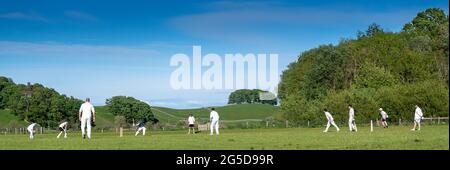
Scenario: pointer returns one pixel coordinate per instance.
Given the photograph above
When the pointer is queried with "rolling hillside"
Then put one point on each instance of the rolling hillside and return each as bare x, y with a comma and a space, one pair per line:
230, 113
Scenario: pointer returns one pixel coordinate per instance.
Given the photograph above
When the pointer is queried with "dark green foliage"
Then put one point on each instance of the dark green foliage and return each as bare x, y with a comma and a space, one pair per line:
130, 108
37, 103
246, 96
380, 69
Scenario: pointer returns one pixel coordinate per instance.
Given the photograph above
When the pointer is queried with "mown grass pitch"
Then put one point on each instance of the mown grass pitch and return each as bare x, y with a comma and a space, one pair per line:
396, 137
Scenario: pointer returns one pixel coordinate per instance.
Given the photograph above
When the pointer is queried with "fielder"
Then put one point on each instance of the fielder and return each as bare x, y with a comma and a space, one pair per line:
330, 121
351, 119
86, 115
141, 126
418, 116
214, 118
31, 130
191, 121
63, 128
384, 117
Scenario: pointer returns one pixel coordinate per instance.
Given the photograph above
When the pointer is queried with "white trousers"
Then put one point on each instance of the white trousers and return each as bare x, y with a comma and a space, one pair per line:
352, 125
65, 133
31, 133
86, 125
331, 123
215, 125
139, 130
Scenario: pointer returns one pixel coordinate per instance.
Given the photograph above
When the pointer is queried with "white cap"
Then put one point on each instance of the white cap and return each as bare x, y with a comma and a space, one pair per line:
380, 109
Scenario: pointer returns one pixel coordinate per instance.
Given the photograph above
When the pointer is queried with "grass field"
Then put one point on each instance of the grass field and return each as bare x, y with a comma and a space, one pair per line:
396, 138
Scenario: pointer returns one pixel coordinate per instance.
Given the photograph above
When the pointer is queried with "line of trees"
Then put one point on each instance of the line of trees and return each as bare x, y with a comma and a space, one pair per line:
378, 69
247, 96
36, 103
45, 106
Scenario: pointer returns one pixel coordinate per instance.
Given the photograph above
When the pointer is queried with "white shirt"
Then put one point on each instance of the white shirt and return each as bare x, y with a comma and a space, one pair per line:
384, 114
351, 114
191, 120
87, 109
214, 116
62, 125
418, 114
329, 117
31, 127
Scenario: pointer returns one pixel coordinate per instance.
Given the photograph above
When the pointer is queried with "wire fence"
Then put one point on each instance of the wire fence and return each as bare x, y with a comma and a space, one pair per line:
233, 124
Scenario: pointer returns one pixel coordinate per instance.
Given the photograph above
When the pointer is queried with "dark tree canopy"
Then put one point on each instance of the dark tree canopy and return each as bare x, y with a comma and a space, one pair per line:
130, 108
37, 103
246, 96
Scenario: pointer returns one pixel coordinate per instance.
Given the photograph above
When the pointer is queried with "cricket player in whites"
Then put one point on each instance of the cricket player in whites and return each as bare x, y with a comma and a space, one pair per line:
141, 126
86, 115
384, 117
418, 116
31, 130
214, 118
351, 119
63, 128
330, 121
191, 121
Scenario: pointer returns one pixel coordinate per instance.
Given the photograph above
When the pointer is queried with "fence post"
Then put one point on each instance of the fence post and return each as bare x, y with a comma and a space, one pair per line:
371, 126
439, 120
287, 123
308, 123
247, 124
42, 130
399, 121
102, 130
121, 131
267, 124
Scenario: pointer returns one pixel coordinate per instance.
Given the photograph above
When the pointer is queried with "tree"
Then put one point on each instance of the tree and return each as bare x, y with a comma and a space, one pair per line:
130, 108
379, 69
37, 103
249, 96
428, 22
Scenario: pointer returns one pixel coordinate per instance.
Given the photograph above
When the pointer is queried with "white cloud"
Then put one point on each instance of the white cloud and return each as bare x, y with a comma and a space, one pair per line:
80, 15
244, 23
71, 50
24, 16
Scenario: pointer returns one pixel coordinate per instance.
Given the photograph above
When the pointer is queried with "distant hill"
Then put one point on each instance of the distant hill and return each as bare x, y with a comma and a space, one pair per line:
229, 113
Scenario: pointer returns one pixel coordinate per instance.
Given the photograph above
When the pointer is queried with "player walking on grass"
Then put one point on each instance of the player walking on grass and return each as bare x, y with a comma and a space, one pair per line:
330, 121
384, 117
214, 118
191, 122
418, 116
31, 130
141, 126
63, 128
351, 119
86, 115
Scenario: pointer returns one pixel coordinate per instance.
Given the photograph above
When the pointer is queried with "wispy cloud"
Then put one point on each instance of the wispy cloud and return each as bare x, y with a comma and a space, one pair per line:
257, 22
71, 50
31, 16
80, 15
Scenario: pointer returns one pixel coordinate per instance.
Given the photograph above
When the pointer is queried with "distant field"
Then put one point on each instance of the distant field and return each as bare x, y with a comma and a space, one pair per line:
396, 137
227, 113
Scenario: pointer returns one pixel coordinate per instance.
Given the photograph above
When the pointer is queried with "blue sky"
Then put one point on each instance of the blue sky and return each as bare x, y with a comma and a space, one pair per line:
100, 49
